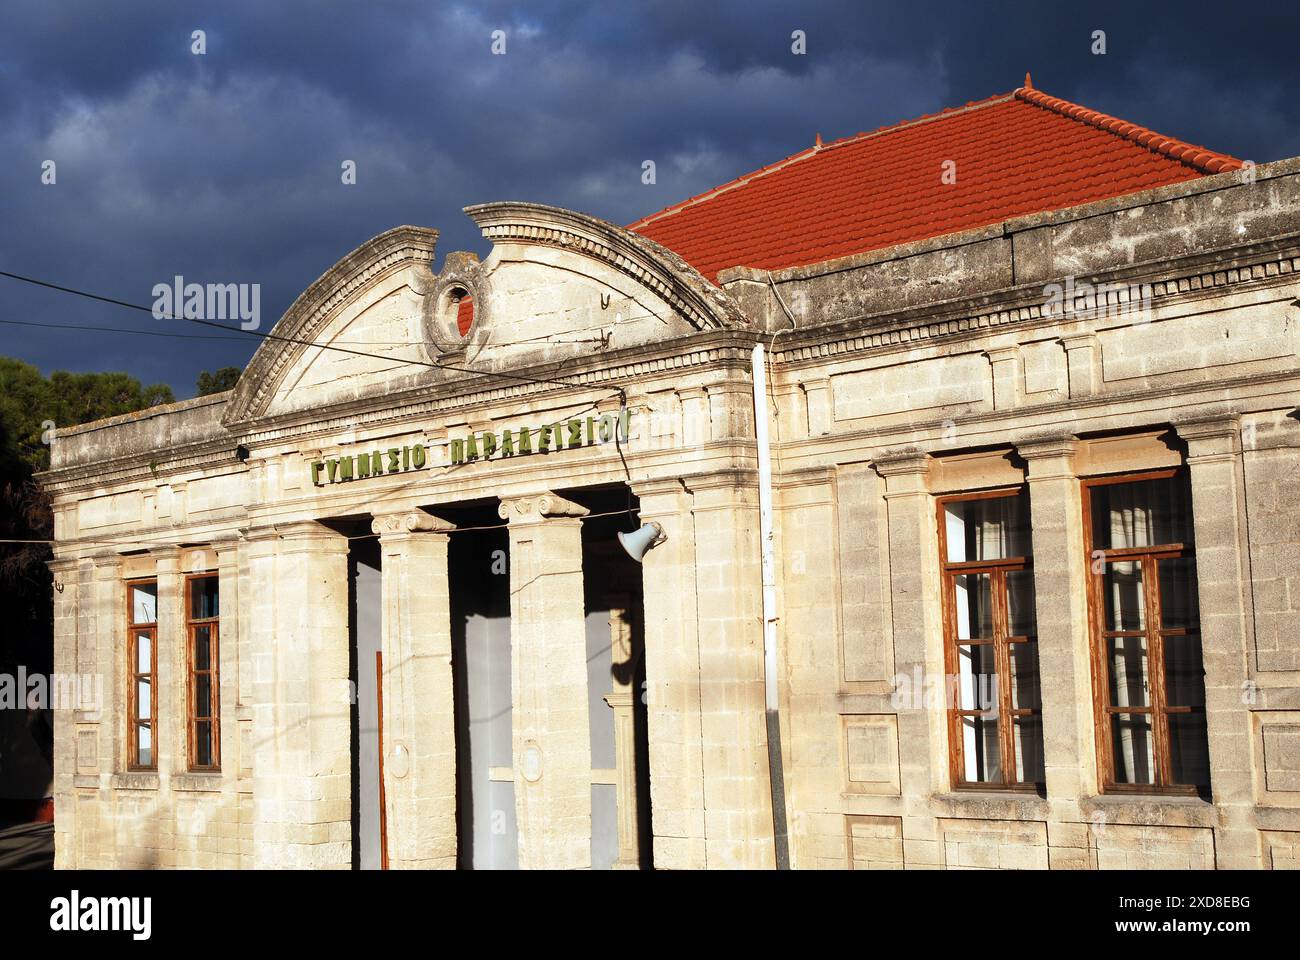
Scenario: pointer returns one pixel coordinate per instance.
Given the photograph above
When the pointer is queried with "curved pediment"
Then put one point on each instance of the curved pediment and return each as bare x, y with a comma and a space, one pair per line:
655, 267
401, 253
558, 286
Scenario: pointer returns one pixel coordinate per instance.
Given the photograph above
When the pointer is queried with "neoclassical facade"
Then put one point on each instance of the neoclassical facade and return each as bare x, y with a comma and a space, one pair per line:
975, 550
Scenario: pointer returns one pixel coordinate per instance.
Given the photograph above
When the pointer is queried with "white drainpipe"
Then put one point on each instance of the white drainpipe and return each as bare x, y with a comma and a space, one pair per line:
770, 692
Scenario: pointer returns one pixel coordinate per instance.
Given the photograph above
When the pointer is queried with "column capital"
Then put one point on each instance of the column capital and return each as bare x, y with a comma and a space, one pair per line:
536, 507
407, 523
905, 472
658, 487
296, 535
105, 559
167, 562
1079, 341
1210, 437
899, 463
1047, 446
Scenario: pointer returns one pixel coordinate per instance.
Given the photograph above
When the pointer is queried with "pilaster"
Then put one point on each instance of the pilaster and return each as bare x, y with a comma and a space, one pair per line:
552, 739
419, 722
1224, 589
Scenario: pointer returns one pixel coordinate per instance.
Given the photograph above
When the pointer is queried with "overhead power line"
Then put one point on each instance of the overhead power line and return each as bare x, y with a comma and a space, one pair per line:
62, 288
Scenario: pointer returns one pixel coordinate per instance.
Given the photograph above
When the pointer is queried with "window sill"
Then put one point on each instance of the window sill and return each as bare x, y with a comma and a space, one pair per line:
992, 804
1155, 810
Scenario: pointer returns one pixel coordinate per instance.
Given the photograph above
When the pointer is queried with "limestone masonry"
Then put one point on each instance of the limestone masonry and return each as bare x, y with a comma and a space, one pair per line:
1035, 514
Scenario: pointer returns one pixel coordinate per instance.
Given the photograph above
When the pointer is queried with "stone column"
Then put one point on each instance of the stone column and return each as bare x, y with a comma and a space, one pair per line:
621, 702
1223, 586
673, 679
552, 736
1061, 605
918, 647
298, 625
228, 665
419, 721
729, 609
101, 646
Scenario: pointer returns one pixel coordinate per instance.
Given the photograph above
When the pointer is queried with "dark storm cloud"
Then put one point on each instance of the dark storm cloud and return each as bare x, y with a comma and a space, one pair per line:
226, 167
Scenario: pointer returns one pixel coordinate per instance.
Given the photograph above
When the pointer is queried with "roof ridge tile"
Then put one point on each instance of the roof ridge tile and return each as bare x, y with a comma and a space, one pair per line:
1207, 161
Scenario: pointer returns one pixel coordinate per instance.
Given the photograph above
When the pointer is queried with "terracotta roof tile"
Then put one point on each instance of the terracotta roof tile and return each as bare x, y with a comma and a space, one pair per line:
1016, 154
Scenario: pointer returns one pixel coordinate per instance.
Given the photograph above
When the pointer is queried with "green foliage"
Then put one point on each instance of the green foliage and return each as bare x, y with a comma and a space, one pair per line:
29, 403
219, 382
30, 406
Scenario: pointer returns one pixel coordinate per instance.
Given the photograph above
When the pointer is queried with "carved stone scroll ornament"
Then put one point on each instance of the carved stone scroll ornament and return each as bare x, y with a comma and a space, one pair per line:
411, 521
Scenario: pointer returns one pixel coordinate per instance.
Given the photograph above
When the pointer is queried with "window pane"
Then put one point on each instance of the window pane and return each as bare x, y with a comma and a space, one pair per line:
1131, 746
1189, 751
1021, 621
993, 528
1025, 691
203, 744
143, 701
1028, 733
1178, 606
973, 597
202, 647
1141, 514
980, 750
1125, 596
144, 746
144, 603
203, 598
143, 653
1184, 674
978, 678
1127, 657
202, 695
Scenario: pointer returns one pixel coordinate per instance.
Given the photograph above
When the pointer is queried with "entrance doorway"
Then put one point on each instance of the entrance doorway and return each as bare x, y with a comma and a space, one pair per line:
365, 613
479, 582
621, 835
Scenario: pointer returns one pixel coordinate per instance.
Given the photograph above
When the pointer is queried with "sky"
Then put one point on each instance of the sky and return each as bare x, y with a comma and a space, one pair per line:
226, 166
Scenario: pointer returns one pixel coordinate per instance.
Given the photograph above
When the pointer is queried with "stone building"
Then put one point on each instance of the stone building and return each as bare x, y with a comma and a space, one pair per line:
971, 446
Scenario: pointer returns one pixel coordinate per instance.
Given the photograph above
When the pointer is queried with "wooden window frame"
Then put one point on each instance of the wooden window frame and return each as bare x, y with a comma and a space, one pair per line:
1154, 634
134, 676
1001, 641
191, 679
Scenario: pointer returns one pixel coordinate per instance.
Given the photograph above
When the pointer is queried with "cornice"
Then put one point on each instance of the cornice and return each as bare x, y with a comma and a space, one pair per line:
1023, 305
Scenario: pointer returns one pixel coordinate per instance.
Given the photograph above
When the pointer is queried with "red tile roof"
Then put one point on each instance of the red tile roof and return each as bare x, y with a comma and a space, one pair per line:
1018, 153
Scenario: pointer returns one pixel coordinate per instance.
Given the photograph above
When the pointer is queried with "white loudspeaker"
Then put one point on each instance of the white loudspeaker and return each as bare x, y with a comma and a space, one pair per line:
636, 544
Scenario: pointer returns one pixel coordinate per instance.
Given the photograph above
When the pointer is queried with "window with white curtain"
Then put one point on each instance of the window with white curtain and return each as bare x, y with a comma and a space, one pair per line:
142, 674
1147, 642
991, 640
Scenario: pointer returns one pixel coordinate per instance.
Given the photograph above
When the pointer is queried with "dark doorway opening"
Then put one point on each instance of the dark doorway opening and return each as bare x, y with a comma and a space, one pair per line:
622, 836
479, 582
